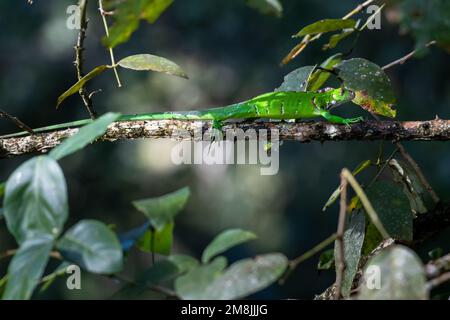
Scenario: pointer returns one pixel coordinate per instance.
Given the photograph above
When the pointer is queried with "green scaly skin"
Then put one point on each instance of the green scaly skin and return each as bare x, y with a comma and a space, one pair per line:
273, 105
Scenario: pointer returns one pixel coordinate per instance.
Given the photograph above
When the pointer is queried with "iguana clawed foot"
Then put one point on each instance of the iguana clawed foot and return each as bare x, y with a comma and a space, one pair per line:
349, 121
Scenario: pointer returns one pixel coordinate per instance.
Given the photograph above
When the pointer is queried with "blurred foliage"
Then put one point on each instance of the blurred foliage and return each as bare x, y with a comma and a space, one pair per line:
282, 210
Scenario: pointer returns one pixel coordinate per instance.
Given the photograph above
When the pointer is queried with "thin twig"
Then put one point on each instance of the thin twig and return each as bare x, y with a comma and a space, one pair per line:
79, 49
293, 264
111, 52
8, 253
12, 252
313, 251
418, 171
366, 203
436, 282
402, 60
16, 121
308, 38
340, 258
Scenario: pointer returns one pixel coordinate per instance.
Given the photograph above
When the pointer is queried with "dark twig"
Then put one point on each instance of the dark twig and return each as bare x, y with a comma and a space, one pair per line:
340, 258
16, 121
402, 60
79, 48
308, 38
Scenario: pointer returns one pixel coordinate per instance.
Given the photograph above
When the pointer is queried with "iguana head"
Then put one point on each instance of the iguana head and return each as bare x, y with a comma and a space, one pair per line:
331, 98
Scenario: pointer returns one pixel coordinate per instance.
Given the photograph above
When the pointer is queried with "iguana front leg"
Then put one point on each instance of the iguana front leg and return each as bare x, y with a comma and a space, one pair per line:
339, 120
333, 118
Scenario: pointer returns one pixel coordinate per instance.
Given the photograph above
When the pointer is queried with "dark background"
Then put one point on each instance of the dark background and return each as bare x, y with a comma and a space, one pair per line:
231, 53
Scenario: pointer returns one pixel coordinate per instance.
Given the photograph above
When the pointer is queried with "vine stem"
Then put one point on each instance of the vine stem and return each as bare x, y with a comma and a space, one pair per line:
340, 258
365, 202
111, 52
293, 264
79, 48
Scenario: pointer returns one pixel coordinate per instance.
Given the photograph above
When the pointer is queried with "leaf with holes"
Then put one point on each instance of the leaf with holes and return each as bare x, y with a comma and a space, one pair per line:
225, 241
93, 246
36, 199
372, 87
326, 25
148, 62
396, 273
80, 84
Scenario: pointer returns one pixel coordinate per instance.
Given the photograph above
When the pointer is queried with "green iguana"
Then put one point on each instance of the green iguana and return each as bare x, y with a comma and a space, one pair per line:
273, 105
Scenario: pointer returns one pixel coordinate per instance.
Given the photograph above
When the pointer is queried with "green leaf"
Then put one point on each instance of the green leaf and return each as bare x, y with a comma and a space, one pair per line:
371, 85
148, 62
319, 77
162, 210
193, 284
161, 271
184, 263
241, 279
26, 268
296, 80
127, 15
36, 199
271, 7
80, 84
93, 246
84, 136
157, 241
225, 241
326, 25
248, 276
362, 166
393, 209
336, 38
353, 242
436, 253
326, 260
394, 274
2, 189
372, 239
419, 198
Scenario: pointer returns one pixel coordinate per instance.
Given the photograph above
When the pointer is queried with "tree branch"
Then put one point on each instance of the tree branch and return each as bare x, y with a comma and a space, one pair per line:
436, 130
